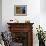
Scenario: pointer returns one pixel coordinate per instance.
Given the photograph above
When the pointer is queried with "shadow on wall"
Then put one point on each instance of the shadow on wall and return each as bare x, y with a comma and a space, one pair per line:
43, 6
0, 15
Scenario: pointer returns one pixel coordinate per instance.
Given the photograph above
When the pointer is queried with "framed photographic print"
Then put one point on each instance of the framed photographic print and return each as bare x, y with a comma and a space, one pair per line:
20, 10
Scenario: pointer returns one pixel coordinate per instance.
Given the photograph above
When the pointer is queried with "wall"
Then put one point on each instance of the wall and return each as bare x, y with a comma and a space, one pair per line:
33, 10
43, 6
0, 15
43, 14
34, 14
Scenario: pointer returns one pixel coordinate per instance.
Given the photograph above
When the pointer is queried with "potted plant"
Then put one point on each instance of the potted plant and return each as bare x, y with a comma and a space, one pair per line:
41, 36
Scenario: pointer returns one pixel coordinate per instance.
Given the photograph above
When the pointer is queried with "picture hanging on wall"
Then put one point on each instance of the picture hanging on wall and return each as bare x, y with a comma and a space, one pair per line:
20, 10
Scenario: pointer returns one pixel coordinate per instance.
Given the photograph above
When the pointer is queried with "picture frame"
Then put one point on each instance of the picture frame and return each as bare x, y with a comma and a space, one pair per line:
20, 10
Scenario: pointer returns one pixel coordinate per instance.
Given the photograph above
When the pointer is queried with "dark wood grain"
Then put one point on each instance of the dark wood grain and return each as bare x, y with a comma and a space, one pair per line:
23, 27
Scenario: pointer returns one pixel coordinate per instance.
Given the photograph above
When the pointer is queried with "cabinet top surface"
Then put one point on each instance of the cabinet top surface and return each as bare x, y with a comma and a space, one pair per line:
19, 23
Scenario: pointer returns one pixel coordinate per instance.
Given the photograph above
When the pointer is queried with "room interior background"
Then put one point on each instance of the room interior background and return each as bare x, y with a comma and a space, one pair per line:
35, 13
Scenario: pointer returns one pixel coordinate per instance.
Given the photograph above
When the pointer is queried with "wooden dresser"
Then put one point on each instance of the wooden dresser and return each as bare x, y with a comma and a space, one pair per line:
22, 33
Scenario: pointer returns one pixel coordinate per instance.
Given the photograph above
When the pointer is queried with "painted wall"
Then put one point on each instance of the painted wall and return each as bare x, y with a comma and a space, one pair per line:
43, 14
43, 6
0, 15
34, 14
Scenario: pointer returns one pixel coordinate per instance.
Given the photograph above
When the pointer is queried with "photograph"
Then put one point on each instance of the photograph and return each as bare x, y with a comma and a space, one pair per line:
22, 23
20, 10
